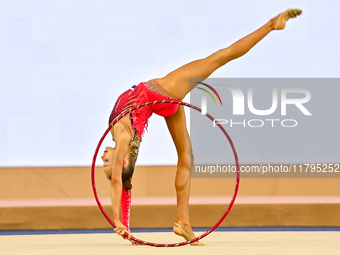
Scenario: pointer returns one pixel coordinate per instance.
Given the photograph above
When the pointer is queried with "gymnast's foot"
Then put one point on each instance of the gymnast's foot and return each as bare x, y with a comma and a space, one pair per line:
187, 234
280, 21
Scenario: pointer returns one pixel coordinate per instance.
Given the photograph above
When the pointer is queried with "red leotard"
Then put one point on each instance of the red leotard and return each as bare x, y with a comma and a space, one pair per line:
138, 95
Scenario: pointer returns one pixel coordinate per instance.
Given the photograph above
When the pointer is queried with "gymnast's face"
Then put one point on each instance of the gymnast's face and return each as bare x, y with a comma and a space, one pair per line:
108, 159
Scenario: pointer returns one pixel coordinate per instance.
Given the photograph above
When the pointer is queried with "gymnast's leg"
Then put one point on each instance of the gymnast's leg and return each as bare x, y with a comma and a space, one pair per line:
178, 130
178, 82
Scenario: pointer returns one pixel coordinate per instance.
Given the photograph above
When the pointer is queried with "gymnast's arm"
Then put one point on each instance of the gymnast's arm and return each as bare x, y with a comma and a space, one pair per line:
122, 138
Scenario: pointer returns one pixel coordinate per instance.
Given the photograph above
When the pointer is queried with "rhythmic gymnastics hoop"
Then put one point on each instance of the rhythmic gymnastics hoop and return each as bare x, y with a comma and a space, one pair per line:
127, 111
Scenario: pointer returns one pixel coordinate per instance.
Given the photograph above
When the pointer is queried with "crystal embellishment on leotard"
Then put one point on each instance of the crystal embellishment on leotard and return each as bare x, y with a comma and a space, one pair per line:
155, 87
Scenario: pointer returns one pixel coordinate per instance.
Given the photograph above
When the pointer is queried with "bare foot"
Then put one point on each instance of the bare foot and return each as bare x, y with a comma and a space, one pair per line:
280, 20
187, 234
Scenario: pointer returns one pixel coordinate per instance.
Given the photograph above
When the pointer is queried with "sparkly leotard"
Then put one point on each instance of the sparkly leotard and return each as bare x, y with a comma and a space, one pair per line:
138, 95
136, 123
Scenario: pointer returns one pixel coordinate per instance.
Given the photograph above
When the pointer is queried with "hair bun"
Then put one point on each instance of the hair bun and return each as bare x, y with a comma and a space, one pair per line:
127, 185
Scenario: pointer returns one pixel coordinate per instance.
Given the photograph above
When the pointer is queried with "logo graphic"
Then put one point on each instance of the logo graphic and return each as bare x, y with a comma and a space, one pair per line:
243, 105
204, 98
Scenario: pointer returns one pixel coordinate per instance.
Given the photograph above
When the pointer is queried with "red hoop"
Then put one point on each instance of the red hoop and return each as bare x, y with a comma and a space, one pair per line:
169, 102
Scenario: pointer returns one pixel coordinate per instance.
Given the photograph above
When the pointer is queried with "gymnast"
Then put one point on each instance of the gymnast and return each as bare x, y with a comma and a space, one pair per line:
127, 133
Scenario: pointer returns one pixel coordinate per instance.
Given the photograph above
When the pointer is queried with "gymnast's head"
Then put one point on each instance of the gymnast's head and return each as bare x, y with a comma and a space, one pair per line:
127, 169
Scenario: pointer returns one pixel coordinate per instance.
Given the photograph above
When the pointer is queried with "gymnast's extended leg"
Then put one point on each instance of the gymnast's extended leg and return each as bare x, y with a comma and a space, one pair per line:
178, 82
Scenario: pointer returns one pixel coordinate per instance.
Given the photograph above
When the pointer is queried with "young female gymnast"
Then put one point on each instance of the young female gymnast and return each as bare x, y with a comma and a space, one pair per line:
127, 133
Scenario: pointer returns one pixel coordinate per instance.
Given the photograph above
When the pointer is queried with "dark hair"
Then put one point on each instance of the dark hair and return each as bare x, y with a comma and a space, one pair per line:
127, 174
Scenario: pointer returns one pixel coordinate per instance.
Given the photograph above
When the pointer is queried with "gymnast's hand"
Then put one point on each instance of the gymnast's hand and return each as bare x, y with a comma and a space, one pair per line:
121, 230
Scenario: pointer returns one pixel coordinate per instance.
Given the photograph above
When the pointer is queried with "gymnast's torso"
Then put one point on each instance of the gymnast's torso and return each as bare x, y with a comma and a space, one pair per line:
137, 121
